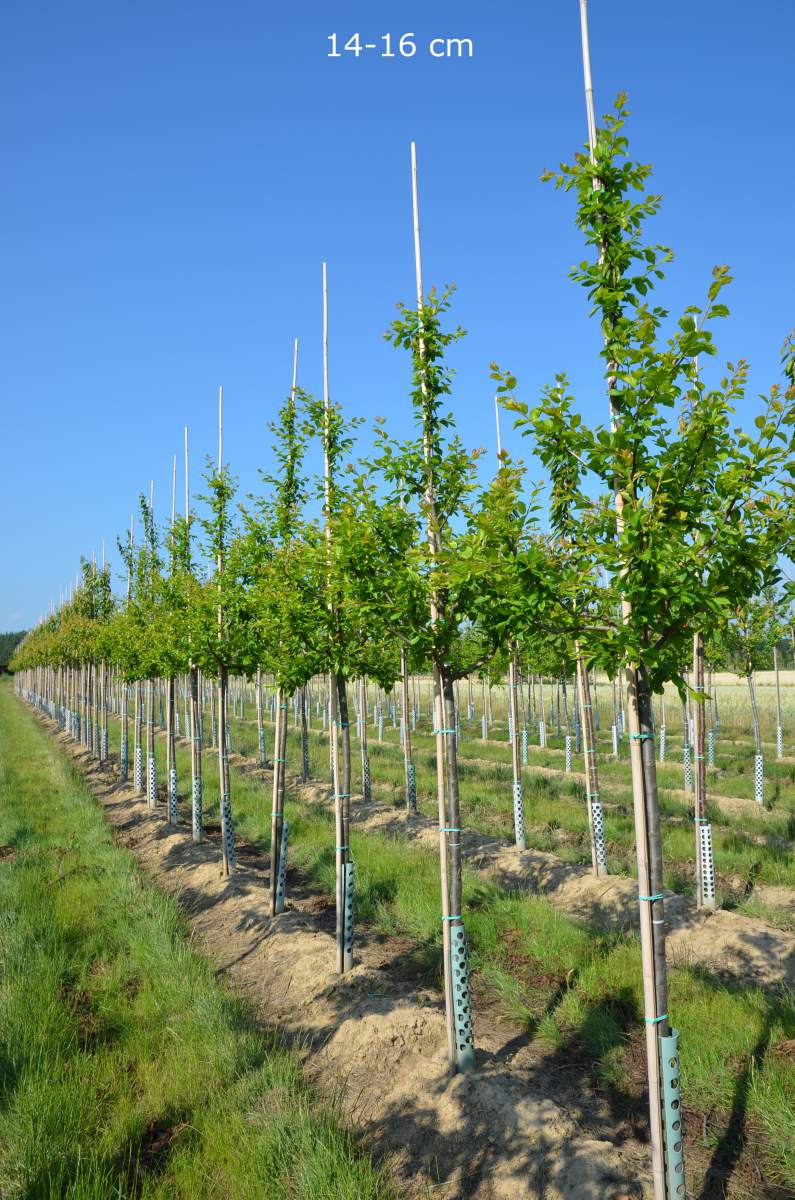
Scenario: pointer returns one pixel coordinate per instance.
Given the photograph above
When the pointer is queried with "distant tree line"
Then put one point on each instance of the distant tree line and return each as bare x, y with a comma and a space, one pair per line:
8, 644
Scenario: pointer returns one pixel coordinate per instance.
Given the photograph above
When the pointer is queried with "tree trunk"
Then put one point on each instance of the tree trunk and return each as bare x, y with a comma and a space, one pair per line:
516, 761
365, 758
277, 808
408, 766
195, 755
593, 798
227, 835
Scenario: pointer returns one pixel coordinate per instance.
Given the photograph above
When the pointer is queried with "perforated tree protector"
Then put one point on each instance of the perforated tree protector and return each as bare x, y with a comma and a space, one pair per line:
688, 765
349, 885
366, 781
710, 748
524, 745
673, 1130
779, 742
172, 795
462, 1010
568, 753
614, 736
226, 829
196, 808
542, 733
281, 877
518, 814
662, 743
759, 779
707, 864
599, 836
483, 727
151, 781
412, 786
124, 759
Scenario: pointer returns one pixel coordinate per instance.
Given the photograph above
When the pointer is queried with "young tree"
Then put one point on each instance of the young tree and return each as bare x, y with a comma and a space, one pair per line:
693, 517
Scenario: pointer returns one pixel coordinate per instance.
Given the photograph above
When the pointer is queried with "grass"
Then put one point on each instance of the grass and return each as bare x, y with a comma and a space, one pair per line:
575, 989
126, 1068
749, 846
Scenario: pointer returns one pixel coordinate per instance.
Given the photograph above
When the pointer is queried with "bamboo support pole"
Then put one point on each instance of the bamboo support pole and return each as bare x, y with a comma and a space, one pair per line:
341, 850
446, 822
646, 807
227, 837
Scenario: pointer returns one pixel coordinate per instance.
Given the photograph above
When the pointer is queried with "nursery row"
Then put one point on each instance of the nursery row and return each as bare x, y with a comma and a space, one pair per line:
651, 552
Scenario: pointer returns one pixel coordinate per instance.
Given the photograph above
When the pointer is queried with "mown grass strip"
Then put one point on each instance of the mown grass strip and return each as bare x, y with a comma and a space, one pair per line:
126, 1068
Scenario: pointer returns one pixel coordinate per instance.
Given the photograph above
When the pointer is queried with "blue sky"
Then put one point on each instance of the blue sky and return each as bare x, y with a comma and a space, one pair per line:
174, 175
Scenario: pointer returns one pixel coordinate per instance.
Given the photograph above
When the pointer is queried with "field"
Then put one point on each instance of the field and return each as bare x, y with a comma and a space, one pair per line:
555, 964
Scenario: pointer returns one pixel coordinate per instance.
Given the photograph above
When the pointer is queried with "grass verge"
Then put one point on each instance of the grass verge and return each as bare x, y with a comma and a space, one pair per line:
126, 1068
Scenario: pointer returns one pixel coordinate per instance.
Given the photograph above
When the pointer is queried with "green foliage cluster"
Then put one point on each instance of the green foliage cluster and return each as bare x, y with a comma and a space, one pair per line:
8, 644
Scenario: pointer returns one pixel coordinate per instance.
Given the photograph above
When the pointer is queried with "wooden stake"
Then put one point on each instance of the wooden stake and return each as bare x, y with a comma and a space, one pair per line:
438, 703
279, 744
646, 807
341, 851
223, 685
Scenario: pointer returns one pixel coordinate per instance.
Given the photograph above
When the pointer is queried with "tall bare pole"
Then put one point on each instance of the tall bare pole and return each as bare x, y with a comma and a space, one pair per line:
646, 806
151, 766
513, 700
195, 705
227, 842
124, 743
432, 534
280, 747
171, 749
342, 849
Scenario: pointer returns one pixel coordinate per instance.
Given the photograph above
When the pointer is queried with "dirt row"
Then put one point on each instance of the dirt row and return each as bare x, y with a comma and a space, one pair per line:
728, 944
526, 1125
